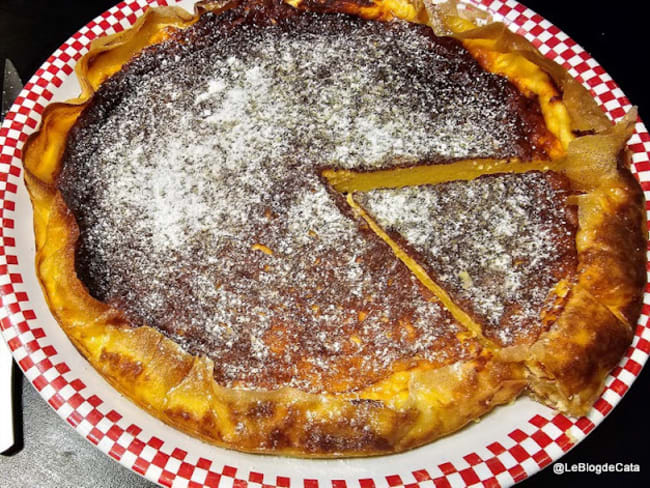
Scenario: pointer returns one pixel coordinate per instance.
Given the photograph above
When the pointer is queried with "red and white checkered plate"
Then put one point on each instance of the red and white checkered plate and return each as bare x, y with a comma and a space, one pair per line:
507, 446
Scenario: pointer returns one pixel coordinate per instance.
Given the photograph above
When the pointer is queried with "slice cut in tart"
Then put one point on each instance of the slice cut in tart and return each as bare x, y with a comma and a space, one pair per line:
502, 246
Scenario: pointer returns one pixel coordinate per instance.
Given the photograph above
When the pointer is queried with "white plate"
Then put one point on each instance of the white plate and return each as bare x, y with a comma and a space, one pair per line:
506, 446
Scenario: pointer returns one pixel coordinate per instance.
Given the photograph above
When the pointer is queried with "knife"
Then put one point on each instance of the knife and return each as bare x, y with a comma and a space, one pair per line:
6, 397
11, 86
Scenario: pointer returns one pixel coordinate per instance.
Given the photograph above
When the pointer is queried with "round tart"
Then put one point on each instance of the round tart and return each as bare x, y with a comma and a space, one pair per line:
335, 228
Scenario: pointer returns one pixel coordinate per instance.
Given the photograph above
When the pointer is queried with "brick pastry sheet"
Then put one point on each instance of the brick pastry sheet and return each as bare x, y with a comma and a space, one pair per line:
507, 446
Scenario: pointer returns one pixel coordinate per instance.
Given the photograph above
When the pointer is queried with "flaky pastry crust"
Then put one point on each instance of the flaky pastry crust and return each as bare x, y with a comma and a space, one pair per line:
565, 368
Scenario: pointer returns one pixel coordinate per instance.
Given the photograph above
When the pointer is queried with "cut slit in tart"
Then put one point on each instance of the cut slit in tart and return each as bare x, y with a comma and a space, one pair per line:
499, 244
202, 239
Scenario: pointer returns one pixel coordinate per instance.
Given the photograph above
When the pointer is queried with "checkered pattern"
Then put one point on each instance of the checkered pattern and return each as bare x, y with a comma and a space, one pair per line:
522, 453
555, 44
511, 459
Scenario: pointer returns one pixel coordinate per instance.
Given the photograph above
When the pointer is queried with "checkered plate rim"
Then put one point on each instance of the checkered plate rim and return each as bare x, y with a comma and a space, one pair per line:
524, 451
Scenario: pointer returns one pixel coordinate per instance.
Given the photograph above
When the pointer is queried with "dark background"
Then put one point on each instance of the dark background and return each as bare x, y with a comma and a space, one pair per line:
615, 33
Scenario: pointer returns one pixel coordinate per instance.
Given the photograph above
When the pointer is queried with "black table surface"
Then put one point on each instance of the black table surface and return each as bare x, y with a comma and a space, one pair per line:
615, 33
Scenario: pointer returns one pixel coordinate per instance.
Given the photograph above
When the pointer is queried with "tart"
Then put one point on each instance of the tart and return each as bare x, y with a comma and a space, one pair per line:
334, 228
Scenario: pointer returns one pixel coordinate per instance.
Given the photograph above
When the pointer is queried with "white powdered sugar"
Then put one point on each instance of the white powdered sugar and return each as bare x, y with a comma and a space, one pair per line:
497, 243
194, 177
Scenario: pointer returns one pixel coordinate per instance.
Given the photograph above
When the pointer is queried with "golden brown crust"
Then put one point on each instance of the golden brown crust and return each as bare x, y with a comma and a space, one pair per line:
565, 368
613, 262
570, 362
584, 114
612, 240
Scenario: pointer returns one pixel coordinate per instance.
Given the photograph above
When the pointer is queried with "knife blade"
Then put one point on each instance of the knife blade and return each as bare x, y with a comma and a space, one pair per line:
6, 397
11, 87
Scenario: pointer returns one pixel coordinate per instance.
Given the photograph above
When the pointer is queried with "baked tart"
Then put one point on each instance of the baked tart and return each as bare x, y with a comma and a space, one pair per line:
328, 228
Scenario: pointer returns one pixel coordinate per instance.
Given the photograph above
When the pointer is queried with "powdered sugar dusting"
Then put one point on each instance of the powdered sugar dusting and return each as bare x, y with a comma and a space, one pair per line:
498, 243
194, 179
